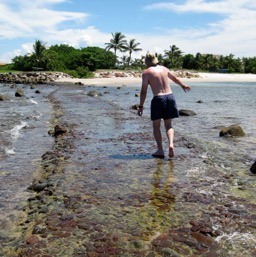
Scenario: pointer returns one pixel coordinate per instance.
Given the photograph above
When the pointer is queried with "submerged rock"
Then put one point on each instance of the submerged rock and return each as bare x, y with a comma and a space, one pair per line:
253, 168
19, 92
232, 131
93, 93
38, 187
183, 112
135, 107
3, 98
58, 130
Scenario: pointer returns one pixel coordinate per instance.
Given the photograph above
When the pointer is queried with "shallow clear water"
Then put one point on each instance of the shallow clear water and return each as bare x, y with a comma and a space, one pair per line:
23, 139
223, 104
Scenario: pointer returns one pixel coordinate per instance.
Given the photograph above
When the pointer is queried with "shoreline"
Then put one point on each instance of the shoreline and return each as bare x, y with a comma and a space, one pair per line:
203, 77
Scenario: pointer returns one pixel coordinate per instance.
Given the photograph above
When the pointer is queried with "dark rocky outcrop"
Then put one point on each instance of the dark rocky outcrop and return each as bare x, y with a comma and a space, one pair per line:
183, 112
232, 131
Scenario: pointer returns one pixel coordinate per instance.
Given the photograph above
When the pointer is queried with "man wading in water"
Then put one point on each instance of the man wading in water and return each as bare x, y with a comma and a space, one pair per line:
163, 105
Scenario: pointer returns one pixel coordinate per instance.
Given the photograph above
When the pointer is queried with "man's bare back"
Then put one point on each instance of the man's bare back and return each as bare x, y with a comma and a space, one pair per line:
158, 78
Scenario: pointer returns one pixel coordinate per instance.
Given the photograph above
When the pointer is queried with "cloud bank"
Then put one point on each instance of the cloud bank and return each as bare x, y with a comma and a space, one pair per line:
23, 21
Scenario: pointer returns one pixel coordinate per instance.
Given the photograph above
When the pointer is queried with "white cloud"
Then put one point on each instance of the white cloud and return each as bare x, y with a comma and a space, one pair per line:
32, 17
224, 6
233, 32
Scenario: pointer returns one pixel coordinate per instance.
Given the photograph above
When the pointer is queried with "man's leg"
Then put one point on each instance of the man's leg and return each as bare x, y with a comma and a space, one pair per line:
170, 135
158, 138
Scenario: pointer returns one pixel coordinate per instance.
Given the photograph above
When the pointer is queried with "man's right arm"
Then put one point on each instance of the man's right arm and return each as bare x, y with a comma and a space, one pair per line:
143, 93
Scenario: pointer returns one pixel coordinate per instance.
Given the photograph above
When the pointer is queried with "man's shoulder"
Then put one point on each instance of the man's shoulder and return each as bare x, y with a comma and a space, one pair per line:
147, 71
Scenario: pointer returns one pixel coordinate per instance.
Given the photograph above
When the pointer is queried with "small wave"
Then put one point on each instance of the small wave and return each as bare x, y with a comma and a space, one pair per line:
237, 242
15, 132
9, 151
33, 101
37, 116
236, 236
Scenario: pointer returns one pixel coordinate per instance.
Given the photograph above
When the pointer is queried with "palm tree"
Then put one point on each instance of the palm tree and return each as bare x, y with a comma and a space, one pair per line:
160, 57
39, 54
174, 56
209, 62
132, 47
117, 42
124, 60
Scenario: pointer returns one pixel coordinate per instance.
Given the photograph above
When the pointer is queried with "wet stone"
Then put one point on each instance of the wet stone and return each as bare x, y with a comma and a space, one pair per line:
32, 240
29, 252
202, 239
162, 241
166, 252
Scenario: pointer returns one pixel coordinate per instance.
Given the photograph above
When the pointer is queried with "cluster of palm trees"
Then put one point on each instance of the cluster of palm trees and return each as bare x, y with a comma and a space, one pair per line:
172, 58
118, 42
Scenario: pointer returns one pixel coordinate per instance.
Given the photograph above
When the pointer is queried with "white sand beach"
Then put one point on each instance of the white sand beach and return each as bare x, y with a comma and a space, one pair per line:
203, 77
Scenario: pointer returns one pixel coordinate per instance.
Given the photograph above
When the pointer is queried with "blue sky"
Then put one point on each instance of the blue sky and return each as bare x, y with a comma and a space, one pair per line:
216, 27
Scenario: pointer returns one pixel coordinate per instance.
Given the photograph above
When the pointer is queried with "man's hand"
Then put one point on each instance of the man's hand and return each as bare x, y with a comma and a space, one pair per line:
186, 88
140, 111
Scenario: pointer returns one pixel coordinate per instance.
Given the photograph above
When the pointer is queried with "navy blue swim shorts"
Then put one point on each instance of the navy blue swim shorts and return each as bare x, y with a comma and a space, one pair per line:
164, 107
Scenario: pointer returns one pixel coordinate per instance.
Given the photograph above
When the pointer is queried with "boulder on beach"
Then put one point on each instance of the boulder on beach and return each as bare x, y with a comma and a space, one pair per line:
232, 131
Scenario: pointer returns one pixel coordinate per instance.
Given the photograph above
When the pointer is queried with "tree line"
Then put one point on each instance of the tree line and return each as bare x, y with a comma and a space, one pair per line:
82, 62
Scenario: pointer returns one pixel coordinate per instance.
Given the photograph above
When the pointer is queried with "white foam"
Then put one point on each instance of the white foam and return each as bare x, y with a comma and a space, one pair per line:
9, 151
15, 132
33, 101
236, 236
37, 116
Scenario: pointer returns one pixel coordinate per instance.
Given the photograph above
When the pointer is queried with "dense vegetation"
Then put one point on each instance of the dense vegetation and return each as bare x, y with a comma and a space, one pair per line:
82, 62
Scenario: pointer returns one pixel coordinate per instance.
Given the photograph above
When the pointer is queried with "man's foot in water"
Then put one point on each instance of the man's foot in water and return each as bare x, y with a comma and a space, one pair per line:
171, 152
158, 154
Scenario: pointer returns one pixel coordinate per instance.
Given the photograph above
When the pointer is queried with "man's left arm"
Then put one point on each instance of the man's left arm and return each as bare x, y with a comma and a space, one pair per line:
179, 82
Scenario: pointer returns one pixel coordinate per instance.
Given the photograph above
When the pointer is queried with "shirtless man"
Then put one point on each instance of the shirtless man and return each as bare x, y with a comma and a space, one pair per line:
163, 105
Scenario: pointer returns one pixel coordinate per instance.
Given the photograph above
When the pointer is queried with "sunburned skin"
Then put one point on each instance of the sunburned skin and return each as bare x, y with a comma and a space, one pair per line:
157, 78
